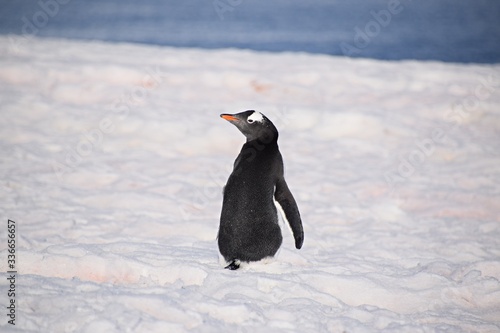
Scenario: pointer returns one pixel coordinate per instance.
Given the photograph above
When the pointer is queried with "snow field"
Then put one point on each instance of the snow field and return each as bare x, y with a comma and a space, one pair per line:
114, 158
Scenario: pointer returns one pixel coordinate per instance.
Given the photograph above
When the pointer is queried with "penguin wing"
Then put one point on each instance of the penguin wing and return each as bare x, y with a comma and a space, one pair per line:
289, 210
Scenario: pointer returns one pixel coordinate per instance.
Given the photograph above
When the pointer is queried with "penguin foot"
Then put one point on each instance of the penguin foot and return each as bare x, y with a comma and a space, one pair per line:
234, 265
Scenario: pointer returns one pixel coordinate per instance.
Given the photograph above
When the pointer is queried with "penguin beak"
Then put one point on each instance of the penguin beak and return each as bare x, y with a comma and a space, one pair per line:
228, 117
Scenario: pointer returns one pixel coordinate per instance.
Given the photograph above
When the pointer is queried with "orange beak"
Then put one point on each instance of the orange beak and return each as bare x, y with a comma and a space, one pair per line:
228, 117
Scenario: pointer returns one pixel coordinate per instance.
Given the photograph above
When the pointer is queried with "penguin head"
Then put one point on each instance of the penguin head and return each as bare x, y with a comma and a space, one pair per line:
254, 125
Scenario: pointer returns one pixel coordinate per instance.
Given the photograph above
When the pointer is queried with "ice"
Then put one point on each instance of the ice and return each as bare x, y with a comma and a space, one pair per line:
113, 163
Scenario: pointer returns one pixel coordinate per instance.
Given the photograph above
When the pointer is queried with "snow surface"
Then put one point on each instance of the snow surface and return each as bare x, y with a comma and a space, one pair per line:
114, 158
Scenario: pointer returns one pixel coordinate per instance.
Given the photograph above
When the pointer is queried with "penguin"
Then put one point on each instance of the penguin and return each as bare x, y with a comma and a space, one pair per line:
249, 229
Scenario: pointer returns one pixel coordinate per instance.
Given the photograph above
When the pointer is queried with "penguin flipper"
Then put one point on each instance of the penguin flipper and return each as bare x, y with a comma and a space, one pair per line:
289, 210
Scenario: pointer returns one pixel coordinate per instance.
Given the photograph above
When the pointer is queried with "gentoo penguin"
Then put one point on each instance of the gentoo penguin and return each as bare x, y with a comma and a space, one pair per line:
249, 228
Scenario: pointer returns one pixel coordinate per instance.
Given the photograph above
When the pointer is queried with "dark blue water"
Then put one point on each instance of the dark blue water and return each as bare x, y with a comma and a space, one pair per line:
446, 30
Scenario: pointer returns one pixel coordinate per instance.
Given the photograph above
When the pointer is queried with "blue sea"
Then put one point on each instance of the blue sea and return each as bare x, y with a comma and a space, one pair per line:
465, 31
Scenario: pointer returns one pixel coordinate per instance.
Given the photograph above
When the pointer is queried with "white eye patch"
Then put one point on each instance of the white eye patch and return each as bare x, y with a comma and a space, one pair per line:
256, 116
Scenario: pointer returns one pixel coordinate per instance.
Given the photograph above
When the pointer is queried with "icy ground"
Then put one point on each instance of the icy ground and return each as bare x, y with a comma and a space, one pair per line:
114, 158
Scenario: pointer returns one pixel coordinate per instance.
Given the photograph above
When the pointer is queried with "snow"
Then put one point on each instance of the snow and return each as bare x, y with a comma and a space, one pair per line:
114, 158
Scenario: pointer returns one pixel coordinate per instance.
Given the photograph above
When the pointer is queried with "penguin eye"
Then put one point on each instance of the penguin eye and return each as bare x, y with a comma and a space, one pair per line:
250, 121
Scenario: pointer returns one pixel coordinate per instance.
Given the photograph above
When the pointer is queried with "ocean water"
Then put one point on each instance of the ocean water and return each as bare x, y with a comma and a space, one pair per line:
444, 30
